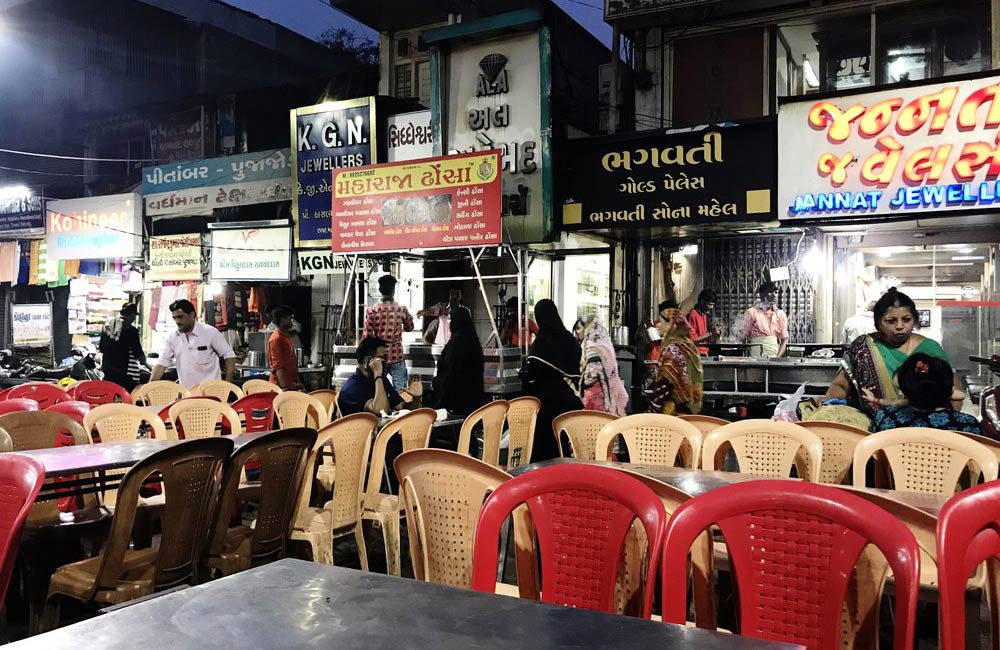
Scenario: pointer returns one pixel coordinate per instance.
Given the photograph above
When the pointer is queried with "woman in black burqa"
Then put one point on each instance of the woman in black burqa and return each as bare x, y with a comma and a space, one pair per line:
552, 374
458, 384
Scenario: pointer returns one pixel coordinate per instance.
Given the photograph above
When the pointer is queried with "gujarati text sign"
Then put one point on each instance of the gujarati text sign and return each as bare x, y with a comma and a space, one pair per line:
450, 201
174, 257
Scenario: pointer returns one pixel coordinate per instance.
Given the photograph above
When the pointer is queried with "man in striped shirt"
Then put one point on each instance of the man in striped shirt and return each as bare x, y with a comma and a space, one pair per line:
388, 320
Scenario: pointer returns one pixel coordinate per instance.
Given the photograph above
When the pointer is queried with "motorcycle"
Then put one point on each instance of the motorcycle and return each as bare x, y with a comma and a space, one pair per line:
988, 398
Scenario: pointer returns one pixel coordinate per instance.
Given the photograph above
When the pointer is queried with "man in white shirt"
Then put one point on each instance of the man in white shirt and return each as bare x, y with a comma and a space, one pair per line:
859, 324
195, 348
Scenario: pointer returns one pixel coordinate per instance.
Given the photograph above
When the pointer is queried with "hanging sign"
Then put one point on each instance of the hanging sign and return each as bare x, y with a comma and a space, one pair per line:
904, 151
174, 257
251, 254
97, 227
21, 216
700, 176
31, 332
450, 201
197, 188
326, 137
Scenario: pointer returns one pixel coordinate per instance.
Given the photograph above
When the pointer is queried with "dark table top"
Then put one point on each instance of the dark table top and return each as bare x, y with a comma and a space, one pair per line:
296, 604
696, 481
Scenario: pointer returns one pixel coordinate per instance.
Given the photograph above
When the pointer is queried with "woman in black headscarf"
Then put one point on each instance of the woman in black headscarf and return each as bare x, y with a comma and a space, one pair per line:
552, 374
458, 383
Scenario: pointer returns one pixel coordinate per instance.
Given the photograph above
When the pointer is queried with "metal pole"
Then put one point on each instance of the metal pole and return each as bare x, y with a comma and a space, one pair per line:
347, 291
486, 300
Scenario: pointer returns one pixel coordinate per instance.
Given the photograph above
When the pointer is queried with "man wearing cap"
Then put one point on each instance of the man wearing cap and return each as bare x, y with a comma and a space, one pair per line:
387, 320
120, 348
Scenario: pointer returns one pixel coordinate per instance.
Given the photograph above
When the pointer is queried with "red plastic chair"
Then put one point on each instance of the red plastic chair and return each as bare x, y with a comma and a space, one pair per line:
793, 546
21, 478
73, 408
3, 393
97, 393
17, 405
257, 411
968, 534
45, 394
582, 514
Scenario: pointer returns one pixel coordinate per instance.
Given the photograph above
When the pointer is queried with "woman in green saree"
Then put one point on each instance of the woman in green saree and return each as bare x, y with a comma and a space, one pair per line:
866, 379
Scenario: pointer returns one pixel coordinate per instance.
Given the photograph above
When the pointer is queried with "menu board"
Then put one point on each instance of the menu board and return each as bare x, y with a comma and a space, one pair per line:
445, 202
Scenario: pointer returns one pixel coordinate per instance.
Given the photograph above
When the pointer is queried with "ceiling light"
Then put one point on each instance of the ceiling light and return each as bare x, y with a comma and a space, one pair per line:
807, 70
812, 261
750, 231
966, 250
971, 258
885, 253
689, 249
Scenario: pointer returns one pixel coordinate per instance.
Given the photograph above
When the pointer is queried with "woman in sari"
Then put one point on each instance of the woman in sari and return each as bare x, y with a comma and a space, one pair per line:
866, 379
677, 386
602, 387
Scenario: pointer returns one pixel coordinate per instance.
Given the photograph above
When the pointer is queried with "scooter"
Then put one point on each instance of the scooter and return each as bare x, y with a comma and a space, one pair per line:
988, 398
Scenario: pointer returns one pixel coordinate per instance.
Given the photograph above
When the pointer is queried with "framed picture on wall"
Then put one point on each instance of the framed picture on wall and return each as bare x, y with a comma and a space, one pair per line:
925, 317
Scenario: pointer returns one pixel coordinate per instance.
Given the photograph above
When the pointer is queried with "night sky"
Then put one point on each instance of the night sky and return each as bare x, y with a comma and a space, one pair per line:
312, 17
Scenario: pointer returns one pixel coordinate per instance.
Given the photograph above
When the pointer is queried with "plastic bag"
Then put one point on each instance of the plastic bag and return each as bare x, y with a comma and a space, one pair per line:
787, 409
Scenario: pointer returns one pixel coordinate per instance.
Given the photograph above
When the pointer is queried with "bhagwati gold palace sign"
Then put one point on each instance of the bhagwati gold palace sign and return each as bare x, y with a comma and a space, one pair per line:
914, 150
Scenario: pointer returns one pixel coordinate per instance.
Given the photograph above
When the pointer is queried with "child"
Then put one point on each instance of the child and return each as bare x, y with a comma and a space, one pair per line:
926, 382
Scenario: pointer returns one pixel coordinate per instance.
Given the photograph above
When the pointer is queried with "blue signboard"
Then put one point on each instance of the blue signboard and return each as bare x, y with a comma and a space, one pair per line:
326, 137
22, 216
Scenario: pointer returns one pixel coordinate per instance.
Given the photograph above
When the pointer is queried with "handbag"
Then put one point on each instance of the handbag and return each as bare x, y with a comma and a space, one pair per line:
530, 370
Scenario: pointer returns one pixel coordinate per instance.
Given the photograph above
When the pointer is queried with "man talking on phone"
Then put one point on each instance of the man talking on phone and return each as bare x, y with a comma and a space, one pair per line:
369, 390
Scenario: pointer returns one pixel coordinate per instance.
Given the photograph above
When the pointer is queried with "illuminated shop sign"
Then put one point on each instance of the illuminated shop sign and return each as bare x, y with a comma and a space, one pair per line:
903, 151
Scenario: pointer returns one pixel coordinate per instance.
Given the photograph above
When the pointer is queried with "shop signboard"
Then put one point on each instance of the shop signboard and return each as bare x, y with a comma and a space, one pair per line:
326, 137
914, 150
326, 263
197, 188
31, 332
707, 175
22, 216
251, 254
409, 136
96, 227
179, 136
495, 101
445, 202
174, 257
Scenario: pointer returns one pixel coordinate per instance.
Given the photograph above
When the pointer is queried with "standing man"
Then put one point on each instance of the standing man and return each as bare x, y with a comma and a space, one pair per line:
195, 348
119, 346
698, 319
764, 325
368, 390
281, 351
388, 320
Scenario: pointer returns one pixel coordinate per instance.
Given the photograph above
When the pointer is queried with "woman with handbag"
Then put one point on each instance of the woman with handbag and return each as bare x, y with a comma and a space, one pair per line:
551, 373
677, 386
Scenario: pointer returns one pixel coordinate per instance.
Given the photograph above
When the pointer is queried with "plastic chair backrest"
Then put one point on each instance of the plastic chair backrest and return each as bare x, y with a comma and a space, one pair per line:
764, 448
123, 422
839, 441
443, 493
705, 423
191, 472
257, 411
200, 418
219, 388
351, 439
96, 392
652, 438
21, 478
522, 414
581, 429
492, 417
328, 398
45, 394
413, 429
17, 405
254, 386
296, 409
6, 444
282, 456
968, 534
924, 460
76, 409
582, 514
158, 393
793, 547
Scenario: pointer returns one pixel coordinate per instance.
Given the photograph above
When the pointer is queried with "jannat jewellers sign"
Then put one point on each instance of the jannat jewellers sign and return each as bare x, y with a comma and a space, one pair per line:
906, 151
700, 176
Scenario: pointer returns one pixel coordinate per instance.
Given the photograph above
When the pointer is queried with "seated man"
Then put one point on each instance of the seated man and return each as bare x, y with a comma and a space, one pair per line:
368, 389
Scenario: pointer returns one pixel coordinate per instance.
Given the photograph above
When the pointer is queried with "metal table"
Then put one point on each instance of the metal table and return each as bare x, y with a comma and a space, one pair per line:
296, 604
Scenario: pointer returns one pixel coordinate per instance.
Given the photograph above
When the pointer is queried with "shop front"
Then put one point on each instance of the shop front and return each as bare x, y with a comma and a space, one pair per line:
902, 186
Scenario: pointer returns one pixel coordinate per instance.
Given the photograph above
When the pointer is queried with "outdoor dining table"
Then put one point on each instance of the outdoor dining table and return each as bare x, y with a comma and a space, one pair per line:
296, 604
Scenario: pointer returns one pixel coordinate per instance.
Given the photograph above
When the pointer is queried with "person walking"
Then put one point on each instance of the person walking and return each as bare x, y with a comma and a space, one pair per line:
281, 355
121, 350
458, 384
195, 348
602, 386
387, 321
